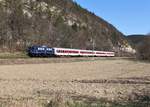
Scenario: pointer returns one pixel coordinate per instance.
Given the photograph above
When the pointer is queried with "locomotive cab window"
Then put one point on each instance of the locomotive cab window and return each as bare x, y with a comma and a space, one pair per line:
41, 49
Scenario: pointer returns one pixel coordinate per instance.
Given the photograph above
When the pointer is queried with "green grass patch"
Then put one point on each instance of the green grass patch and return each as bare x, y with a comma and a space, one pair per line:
97, 104
7, 55
101, 104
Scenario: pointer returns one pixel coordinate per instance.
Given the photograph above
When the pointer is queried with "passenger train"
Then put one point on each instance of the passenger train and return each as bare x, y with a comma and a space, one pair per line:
44, 51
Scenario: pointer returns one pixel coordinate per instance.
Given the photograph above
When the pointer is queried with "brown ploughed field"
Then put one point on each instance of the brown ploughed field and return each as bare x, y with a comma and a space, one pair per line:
107, 78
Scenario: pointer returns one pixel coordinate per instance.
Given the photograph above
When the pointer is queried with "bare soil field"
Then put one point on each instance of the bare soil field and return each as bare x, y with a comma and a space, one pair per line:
111, 79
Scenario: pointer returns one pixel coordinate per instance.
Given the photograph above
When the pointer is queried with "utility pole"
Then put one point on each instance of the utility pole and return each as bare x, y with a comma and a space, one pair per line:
93, 44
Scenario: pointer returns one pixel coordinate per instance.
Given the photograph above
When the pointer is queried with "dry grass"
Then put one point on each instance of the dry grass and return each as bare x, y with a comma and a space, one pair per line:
101, 79
14, 55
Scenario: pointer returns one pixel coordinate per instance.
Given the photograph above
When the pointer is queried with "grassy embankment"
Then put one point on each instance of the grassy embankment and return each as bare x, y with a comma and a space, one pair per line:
8, 55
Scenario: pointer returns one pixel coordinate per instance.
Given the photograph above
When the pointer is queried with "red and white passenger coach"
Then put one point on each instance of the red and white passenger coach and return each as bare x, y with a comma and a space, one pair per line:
79, 52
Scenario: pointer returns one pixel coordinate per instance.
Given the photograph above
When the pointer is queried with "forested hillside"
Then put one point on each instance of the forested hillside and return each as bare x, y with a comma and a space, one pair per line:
142, 45
56, 23
136, 40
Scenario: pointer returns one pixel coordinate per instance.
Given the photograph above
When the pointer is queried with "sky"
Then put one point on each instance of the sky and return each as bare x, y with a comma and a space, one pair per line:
128, 16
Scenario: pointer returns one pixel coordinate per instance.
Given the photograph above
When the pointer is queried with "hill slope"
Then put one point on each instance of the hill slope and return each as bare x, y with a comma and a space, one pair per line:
136, 40
56, 23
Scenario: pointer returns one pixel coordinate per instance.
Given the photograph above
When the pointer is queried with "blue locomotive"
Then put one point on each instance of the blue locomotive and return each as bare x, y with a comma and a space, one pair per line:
40, 51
